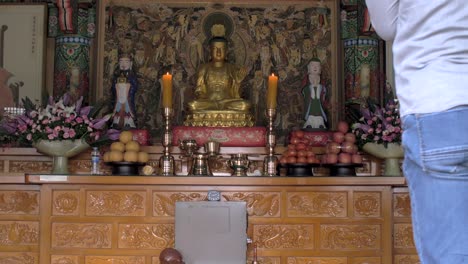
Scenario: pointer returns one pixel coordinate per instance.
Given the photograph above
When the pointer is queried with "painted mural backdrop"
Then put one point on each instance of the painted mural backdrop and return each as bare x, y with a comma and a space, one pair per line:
163, 38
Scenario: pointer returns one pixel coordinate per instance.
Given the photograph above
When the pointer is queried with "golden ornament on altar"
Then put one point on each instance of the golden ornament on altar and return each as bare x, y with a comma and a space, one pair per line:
147, 170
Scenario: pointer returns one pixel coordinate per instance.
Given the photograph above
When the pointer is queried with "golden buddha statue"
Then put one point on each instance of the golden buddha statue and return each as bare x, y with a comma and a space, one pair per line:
217, 94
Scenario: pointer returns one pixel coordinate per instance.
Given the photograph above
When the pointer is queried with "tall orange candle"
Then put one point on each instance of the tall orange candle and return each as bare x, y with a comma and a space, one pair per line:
272, 91
167, 90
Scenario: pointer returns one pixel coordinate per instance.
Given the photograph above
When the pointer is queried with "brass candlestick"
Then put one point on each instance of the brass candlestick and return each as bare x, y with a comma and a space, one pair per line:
271, 161
166, 161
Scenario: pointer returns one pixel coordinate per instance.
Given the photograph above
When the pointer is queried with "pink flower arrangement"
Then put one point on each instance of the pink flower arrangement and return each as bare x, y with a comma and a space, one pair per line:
381, 125
58, 120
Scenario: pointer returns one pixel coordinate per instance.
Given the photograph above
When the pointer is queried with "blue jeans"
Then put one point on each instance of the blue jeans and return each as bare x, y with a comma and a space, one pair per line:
436, 168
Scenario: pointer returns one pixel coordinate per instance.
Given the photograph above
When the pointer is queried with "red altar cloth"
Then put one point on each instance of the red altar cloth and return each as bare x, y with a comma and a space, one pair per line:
317, 138
227, 136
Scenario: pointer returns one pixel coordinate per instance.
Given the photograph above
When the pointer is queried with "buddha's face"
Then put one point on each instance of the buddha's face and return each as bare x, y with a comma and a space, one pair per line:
218, 51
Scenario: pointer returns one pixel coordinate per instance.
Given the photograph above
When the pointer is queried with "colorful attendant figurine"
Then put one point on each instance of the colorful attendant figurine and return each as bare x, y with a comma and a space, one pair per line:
124, 88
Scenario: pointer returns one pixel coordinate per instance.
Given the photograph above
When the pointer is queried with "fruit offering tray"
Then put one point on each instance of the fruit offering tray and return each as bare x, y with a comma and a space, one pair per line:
306, 169
125, 168
343, 169
297, 169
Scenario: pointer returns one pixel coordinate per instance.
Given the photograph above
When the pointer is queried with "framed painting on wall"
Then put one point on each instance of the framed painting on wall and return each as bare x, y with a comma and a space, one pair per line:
22, 52
265, 37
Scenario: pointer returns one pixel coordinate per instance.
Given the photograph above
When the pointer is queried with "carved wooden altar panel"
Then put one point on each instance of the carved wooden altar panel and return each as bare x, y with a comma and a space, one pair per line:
317, 260
65, 202
146, 236
350, 237
284, 237
406, 259
115, 259
19, 166
131, 223
115, 203
21, 202
403, 243
317, 204
69, 259
259, 204
19, 257
367, 204
366, 260
289, 224
81, 235
19, 224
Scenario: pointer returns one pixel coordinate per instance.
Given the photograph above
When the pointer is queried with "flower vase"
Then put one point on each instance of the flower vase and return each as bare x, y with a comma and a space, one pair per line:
60, 150
392, 154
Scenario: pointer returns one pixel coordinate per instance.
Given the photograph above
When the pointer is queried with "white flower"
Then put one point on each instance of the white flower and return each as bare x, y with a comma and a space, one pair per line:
69, 110
45, 113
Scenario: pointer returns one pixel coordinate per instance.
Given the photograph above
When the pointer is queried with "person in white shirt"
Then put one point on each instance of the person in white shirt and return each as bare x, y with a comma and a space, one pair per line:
430, 49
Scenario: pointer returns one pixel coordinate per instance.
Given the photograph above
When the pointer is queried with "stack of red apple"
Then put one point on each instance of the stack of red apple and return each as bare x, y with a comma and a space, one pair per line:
342, 149
299, 150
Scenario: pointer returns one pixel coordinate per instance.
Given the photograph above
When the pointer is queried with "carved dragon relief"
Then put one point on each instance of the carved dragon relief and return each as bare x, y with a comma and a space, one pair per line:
164, 202
407, 259
115, 203
367, 260
323, 204
146, 236
18, 258
354, 237
265, 260
73, 235
258, 204
284, 236
115, 259
321, 260
64, 259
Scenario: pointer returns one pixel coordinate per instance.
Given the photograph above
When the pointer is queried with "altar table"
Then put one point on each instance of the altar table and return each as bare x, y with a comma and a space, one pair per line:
130, 219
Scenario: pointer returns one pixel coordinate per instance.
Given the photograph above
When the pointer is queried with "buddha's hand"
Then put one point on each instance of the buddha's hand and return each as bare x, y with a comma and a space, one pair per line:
200, 95
241, 73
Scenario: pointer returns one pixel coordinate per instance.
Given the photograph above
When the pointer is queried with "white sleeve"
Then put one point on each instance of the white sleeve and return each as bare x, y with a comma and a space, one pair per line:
384, 17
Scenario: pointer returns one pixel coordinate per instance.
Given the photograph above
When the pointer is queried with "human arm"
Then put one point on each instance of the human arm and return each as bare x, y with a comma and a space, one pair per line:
384, 17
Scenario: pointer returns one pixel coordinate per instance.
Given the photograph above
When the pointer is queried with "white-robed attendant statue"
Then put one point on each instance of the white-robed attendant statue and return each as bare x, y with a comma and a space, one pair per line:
314, 93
